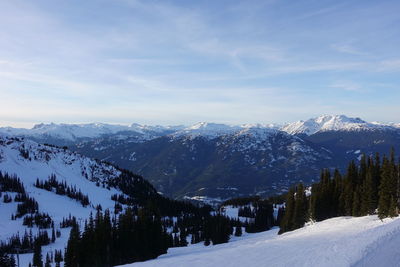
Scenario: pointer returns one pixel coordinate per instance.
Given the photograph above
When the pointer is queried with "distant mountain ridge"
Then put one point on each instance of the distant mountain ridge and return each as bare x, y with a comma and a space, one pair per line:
68, 133
333, 123
222, 161
74, 132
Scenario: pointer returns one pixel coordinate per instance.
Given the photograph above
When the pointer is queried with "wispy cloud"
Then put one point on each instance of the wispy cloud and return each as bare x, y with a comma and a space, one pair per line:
347, 49
391, 65
178, 60
348, 86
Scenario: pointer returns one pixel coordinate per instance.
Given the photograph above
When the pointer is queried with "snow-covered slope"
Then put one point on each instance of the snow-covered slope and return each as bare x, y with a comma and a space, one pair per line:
214, 130
209, 130
331, 123
338, 242
30, 161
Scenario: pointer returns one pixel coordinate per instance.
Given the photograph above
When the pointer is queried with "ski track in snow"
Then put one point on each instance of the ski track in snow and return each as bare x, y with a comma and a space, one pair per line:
337, 242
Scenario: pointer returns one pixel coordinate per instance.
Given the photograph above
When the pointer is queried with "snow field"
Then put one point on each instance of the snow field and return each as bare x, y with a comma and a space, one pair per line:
337, 242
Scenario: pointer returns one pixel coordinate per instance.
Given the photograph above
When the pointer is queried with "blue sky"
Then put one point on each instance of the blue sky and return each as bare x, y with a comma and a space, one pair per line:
180, 62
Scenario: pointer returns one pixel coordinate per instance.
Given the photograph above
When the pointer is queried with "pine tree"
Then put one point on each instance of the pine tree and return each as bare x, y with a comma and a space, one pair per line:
287, 221
370, 190
37, 255
6, 260
356, 202
238, 231
363, 169
279, 217
58, 257
48, 261
300, 208
337, 205
53, 235
72, 250
392, 208
323, 200
350, 183
388, 188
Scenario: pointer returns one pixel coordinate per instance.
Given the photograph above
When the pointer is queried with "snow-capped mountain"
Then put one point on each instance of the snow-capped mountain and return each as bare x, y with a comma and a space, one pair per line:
254, 158
248, 161
67, 133
332, 123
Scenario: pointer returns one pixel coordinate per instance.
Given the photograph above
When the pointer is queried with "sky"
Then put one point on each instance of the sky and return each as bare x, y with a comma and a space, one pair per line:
181, 62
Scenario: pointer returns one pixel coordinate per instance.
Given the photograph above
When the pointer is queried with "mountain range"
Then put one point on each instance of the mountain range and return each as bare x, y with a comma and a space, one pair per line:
210, 160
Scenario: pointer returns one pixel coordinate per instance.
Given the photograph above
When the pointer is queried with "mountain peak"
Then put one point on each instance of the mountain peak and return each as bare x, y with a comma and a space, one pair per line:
328, 123
337, 119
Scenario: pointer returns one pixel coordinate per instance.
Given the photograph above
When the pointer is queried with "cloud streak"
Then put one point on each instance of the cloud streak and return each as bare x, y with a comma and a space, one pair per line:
137, 60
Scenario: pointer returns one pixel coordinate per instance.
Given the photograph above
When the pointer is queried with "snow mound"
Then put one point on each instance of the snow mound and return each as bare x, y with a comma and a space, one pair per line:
337, 242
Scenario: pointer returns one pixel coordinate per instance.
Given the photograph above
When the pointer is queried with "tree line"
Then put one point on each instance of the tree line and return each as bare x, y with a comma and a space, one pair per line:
370, 187
61, 188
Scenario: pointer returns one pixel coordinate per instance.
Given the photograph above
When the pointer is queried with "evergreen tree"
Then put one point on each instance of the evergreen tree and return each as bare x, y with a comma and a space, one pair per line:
338, 204
72, 251
281, 214
37, 255
300, 208
361, 191
388, 188
53, 235
287, 220
48, 261
392, 208
58, 257
350, 183
6, 260
370, 190
238, 231
323, 201
356, 202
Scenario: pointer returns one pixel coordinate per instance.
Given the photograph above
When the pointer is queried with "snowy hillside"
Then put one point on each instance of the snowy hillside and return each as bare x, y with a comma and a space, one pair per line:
208, 130
338, 242
331, 123
30, 162
214, 130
